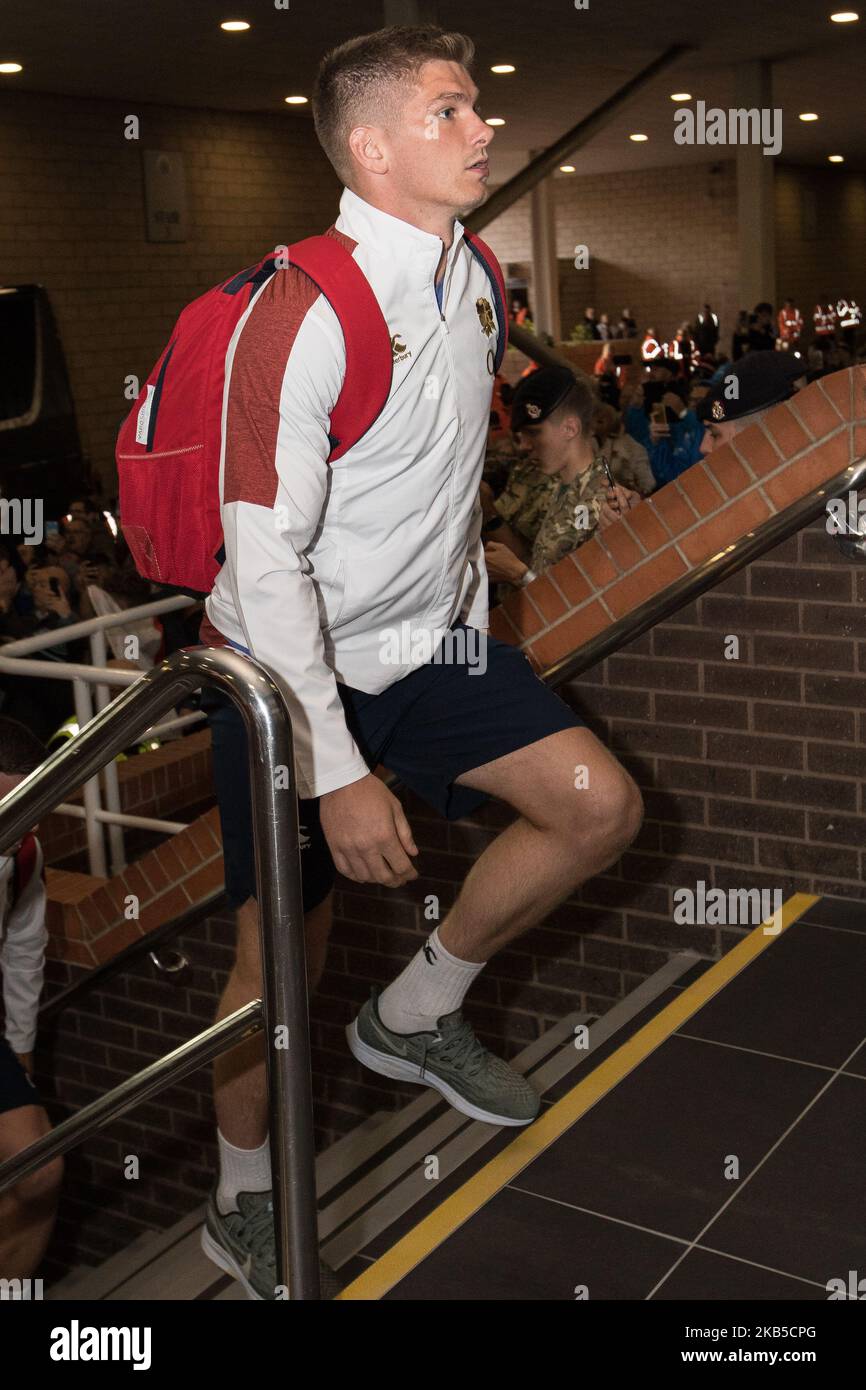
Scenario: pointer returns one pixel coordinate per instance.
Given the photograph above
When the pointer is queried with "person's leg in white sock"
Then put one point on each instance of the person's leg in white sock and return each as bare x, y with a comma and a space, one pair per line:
433, 984
241, 1170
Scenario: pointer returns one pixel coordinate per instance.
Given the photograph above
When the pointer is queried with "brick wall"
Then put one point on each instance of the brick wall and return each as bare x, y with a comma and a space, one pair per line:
820, 235
72, 219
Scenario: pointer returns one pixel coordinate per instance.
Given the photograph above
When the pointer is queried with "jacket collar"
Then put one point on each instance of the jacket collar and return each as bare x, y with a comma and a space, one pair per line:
381, 232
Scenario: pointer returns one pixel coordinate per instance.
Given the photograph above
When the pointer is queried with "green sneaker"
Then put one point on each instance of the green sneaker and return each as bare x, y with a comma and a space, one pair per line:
451, 1060
242, 1243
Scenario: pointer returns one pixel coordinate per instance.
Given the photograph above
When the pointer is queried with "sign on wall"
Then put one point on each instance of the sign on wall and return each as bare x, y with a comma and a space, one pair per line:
165, 195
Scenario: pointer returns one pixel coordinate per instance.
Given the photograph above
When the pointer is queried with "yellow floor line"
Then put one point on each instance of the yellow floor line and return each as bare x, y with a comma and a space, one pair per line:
418, 1243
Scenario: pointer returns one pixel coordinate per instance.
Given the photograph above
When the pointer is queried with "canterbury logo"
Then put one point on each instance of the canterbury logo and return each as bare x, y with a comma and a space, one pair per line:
399, 351
429, 953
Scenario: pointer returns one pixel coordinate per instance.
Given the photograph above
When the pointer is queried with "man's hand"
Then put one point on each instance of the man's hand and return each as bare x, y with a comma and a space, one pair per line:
619, 500
368, 833
503, 564
56, 603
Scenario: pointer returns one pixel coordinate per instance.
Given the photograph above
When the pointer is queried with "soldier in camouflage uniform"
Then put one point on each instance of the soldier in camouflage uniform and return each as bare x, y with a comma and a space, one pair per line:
568, 495
571, 516
525, 498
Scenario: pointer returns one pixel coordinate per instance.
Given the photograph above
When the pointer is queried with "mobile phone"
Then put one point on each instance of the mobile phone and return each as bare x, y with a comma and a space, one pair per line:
660, 415
52, 528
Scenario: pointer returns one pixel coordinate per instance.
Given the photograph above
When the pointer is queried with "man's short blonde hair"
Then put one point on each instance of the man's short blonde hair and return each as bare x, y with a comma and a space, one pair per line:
360, 81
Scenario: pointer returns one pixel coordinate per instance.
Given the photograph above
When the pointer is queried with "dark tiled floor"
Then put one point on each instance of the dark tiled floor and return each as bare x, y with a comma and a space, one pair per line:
614, 1203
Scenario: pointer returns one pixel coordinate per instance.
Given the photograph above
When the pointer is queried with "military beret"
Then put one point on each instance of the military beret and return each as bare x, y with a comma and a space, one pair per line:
536, 396
762, 379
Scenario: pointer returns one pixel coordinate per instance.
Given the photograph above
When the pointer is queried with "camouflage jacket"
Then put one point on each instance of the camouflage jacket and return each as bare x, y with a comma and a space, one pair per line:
525, 497
571, 516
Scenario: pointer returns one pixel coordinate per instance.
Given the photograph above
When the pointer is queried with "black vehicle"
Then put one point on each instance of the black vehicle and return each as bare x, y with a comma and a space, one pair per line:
40, 449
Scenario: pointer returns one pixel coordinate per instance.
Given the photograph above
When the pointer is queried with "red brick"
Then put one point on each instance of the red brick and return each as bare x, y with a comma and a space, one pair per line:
817, 413
187, 851
787, 431
205, 881
154, 872
137, 883
547, 599
859, 383
756, 451
617, 541
810, 470
570, 580
839, 387
502, 628
671, 505
595, 564
653, 575
523, 614
727, 471
700, 489
646, 526
567, 636
100, 911
859, 441
201, 832
726, 527
116, 939
163, 908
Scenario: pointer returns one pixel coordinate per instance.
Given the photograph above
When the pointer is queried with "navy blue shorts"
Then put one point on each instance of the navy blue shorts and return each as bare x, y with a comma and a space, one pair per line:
16, 1088
445, 718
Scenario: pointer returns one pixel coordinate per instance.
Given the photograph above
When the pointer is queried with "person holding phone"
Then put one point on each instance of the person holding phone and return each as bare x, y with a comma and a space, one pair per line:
552, 414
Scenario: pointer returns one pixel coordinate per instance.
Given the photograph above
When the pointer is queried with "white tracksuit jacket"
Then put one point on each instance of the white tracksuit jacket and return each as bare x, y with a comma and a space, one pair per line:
23, 937
321, 560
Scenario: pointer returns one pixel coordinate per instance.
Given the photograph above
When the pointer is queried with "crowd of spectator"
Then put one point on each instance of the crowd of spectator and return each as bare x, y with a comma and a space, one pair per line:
77, 571
644, 427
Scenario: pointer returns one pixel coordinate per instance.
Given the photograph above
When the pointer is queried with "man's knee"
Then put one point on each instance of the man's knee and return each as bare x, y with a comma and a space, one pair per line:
620, 811
40, 1189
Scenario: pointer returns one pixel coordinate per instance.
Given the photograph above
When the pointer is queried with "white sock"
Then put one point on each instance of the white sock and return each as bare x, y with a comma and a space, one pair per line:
434, 983
241, 1170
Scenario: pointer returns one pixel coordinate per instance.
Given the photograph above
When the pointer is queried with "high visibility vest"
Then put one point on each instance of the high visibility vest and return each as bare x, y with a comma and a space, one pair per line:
790, 324
650, 348
848, 313
825, 320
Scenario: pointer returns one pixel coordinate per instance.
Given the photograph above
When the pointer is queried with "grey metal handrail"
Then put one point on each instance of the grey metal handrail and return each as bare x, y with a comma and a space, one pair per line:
283, 1009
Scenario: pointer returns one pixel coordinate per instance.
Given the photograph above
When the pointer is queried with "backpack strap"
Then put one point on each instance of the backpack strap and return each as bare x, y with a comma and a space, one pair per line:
482, 252
369, 360
23, 866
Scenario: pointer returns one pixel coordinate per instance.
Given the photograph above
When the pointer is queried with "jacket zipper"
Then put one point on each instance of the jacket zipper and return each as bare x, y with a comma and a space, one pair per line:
443, 325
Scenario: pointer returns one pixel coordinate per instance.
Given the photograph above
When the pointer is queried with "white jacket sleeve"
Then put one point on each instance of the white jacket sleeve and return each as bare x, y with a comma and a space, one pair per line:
475, 612
272, 589
22, 962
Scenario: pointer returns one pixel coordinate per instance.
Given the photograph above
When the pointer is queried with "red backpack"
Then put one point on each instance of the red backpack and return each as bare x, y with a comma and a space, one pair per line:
168, 448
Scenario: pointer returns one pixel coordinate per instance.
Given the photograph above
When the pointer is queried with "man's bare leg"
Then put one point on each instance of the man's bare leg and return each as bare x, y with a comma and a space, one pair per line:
27, 1210
563, 837
565, 833
240, 1081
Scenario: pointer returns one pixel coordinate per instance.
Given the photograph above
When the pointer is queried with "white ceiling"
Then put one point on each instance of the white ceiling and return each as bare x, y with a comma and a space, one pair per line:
173, 52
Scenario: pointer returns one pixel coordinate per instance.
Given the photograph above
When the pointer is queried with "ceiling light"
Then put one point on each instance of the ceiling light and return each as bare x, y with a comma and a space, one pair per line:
494, 120
296, 101
637, 137
566, 168
234, 26
845, 17
11, 67
503, 67
836, 158
809, 116
681, 96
